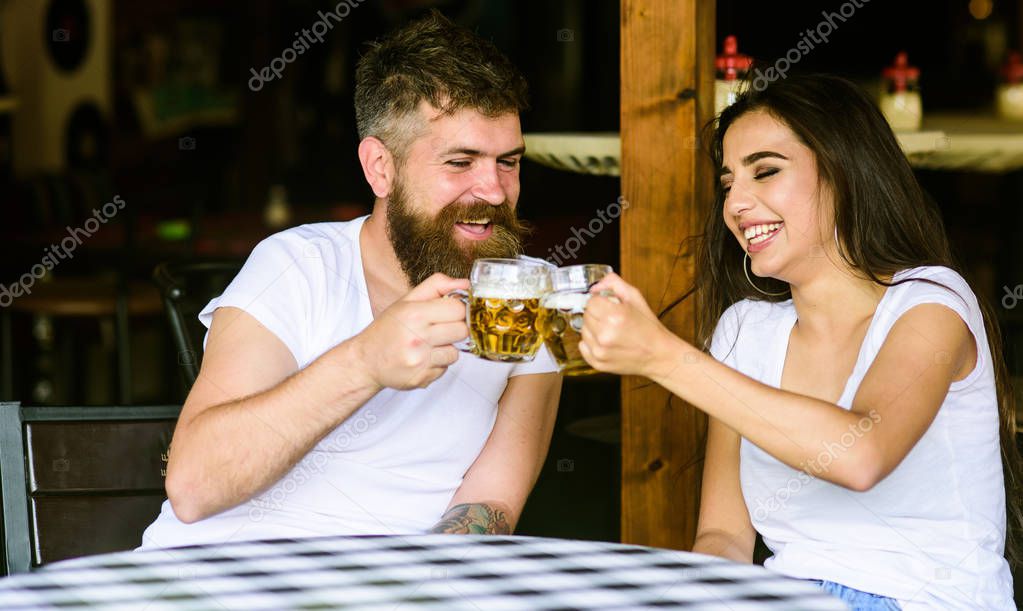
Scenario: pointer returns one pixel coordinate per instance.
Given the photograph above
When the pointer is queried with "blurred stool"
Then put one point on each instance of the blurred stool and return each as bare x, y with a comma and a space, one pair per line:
98, 297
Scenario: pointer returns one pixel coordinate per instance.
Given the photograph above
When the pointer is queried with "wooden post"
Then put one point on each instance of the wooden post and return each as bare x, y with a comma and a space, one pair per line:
667, 96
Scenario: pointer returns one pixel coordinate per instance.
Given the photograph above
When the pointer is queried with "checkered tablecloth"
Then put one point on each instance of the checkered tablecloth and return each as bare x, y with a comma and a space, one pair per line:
402, 572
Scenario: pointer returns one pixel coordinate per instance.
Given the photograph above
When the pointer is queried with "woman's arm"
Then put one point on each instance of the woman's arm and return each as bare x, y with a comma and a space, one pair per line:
896, 402
724, 528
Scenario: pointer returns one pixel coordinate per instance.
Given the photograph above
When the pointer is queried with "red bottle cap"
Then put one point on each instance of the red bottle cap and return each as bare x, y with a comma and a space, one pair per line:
901, 73
731, 64
1012, 69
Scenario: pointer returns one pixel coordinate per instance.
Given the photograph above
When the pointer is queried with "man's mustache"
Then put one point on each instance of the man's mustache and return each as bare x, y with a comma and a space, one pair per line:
500, 214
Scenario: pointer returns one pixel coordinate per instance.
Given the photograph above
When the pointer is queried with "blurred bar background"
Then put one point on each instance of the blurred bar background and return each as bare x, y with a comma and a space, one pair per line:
166, 118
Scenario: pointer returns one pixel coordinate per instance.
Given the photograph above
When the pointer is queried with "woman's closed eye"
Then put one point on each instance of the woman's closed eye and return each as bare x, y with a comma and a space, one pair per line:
760, 174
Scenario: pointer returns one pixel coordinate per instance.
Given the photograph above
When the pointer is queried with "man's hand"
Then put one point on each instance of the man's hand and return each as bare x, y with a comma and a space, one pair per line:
410, 344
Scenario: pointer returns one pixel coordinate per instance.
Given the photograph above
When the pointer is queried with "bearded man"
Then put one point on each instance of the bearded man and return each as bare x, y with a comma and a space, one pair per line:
330, 398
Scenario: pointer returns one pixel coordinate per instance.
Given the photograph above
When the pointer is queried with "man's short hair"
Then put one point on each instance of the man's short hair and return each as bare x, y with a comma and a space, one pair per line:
431, 59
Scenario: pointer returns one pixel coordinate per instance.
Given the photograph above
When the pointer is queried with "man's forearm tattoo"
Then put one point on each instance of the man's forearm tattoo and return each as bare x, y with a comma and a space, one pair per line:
473, 519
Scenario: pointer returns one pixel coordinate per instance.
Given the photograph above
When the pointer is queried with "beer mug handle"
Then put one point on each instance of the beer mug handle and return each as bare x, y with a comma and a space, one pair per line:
466, 345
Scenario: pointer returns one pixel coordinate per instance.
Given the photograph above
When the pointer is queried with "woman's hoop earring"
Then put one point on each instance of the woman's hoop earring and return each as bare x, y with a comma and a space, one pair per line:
745, 270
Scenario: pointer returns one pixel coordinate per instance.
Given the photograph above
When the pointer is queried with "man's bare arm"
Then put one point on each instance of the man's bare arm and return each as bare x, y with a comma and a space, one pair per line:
251, 415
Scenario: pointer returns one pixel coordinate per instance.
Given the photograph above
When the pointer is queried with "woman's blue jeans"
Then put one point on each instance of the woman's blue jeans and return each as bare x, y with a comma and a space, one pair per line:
857, 599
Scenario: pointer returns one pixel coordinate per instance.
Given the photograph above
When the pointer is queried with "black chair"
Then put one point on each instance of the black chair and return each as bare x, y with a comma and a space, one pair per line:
186, 289
77, 481
760, 551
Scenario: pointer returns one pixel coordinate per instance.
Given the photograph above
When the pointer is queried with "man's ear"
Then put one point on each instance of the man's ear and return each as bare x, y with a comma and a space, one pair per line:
377, 165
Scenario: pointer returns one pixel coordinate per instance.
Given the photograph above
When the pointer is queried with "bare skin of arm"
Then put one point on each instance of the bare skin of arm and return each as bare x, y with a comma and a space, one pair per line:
724, 528
251, 415
495, 488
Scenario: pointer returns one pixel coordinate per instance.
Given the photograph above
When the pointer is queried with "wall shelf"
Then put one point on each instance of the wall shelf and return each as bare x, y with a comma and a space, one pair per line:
975, 142
600, 153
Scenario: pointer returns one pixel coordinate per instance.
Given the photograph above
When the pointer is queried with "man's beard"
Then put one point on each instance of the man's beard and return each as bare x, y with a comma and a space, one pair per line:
427, 245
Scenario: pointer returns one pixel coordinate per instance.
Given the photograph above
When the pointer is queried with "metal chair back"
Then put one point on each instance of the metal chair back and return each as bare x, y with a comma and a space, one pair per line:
76, 481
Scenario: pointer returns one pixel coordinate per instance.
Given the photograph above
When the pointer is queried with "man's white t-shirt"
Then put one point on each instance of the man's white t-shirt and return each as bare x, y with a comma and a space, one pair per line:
394, 465
932, 533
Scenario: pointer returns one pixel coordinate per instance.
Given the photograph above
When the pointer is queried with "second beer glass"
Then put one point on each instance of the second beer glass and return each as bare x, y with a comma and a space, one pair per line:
561, 316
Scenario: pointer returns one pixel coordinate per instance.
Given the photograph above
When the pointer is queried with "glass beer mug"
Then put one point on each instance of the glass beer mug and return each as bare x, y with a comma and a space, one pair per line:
561, 314
502, 305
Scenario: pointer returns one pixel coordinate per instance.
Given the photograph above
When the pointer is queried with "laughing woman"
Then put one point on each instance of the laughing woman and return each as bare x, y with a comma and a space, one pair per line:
859, 415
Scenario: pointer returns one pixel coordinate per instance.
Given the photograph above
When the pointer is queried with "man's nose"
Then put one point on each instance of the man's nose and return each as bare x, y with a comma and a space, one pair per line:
488, 186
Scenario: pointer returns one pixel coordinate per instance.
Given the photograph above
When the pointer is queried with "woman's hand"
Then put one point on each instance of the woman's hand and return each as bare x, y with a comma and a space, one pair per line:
622, 335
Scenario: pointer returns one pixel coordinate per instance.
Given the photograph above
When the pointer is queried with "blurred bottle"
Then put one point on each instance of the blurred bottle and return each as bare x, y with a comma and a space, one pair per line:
900, 95
732, 68
277, 213
1009, 94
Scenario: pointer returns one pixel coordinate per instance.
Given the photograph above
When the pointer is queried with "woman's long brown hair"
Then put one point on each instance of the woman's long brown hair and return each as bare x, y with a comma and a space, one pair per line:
885, 224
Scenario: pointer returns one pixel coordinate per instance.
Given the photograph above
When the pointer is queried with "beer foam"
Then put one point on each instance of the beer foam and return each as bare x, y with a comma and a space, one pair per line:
573, 301
503, 292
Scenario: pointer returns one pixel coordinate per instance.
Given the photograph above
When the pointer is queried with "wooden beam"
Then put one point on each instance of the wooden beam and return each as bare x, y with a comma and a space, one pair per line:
667, 96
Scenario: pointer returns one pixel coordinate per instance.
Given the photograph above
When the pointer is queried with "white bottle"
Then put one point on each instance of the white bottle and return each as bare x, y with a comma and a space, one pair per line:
732, 68
900, 95
1009, 95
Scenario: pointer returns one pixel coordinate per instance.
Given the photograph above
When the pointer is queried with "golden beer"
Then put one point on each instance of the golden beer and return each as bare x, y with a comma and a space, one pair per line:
560, 323
503, 327
502, 306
